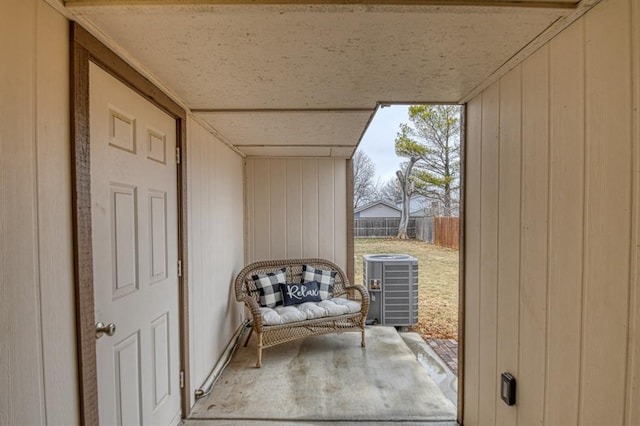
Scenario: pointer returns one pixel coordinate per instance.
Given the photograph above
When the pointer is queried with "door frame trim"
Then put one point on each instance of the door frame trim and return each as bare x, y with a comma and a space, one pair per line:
462, 261
85, 48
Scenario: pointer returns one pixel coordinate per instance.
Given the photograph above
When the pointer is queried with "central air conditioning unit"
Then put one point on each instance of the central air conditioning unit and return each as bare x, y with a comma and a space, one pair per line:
392, 281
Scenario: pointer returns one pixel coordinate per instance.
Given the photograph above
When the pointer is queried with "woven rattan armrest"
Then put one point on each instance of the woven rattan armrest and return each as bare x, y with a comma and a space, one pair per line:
253, 306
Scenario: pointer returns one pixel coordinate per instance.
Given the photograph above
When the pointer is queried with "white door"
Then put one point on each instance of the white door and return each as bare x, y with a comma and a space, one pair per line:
134, 227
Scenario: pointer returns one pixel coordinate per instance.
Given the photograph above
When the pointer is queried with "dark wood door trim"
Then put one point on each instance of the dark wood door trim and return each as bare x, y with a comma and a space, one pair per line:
351, 270
85, 48
461, 262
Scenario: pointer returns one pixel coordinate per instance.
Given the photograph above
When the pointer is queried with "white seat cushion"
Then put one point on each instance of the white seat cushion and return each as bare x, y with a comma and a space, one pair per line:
309, 310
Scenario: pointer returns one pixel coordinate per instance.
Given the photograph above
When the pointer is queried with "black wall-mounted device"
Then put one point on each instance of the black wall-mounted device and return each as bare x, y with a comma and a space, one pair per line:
508, 389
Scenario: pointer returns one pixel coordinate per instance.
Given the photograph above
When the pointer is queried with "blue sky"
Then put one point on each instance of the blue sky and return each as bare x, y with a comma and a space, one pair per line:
378, 141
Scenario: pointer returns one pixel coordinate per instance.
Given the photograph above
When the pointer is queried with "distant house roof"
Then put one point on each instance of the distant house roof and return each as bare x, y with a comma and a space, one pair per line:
417, 202
387, 203
390, 204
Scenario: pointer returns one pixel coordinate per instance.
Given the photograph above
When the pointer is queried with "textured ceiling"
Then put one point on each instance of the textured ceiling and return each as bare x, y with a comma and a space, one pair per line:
236, 61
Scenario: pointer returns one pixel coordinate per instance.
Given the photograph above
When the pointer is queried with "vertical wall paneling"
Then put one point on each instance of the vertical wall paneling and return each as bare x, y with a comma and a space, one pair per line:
473, 171
509, 233
210, 176
633, 365
54, 216
278, 206
350, 271
299, 208
488, 253
37, 348
196, 200
310, 208
340, 213
195, 258
608, 210
249, 210
216, 231
566, 206
575, 281
326, 211
199, 206
535, 190
294, 207
262, 210
229, 227
21, 348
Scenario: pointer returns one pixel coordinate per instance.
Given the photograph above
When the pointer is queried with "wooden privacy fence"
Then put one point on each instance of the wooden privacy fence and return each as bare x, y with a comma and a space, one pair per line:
442, 231
381, 227
446, 232
424, 229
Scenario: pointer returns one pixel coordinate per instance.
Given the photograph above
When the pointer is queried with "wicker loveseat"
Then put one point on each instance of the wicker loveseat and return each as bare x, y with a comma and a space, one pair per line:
351, 303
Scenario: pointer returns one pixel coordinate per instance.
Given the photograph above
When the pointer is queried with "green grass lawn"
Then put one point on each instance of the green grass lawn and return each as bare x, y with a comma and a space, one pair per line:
438, 270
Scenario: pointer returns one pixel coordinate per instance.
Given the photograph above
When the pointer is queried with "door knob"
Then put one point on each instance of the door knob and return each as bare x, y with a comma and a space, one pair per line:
102, 329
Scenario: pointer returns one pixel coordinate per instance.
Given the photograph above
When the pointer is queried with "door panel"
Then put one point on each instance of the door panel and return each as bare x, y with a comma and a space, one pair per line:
161, 356
124, 227
127, 380
134, 227
158, 233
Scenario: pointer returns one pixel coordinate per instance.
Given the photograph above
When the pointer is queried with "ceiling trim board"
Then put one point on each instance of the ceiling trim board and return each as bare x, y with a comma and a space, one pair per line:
366, 127
58, 6
385, 104
336, 153
216, 134
306, 157
294, 146
552, 30
474, 3
277, 110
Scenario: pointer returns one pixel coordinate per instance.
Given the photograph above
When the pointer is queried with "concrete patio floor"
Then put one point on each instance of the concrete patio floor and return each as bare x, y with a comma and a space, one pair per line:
329, 379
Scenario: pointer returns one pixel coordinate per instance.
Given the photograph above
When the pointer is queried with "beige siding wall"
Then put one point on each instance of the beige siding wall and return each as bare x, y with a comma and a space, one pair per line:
37, 324
216, 247
296, 208
633, 363
552, 231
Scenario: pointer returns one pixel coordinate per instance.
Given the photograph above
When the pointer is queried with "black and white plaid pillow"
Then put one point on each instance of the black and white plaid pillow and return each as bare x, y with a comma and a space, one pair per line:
269, 287
325, 278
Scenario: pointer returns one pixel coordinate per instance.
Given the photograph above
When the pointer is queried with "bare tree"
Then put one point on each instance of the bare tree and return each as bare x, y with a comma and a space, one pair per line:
407, 186
364, 188
391, 190
434, 138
